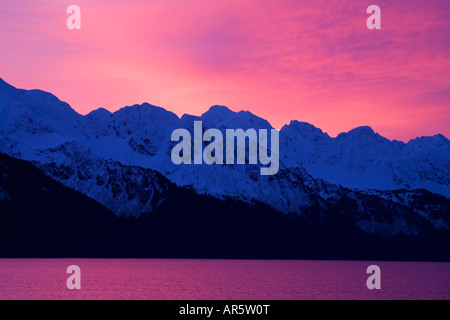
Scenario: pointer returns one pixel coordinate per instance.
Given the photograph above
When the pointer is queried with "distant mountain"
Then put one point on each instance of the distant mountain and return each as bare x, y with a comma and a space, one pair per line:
122, 160
363, 159
33, 121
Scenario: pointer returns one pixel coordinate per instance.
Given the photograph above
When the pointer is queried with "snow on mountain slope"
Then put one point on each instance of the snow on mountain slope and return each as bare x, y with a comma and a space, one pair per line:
283, 191
125, 190
363, 159
110, 157
140, 136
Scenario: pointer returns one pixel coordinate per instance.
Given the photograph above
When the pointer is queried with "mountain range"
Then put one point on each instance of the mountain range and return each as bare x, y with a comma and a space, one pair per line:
354, 187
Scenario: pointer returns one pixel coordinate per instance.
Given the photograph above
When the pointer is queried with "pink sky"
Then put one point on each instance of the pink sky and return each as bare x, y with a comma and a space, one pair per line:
312, 61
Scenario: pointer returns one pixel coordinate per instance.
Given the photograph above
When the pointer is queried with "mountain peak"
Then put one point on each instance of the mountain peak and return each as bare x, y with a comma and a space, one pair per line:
358, 133
222, 117
438, 137
437, 140
145, 111
218, 111
364, 130
302, 129
304, 126
99, 113
144, 105
36, 104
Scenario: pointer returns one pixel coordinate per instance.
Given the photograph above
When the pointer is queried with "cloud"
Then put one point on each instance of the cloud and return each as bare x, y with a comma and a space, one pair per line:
287, 59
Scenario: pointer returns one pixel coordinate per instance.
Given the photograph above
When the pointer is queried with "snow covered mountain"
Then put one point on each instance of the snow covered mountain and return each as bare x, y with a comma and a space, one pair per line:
133, 136
363, 159
121, 159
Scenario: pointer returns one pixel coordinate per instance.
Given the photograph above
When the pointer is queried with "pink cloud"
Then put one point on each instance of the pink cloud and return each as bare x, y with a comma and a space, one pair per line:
313, 61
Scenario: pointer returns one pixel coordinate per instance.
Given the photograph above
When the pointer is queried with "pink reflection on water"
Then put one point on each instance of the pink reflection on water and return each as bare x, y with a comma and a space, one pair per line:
169, 279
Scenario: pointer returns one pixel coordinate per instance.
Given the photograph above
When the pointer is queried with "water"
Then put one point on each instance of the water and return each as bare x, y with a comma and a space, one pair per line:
168, 279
